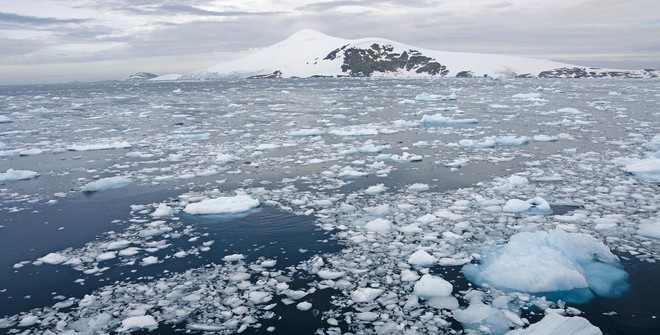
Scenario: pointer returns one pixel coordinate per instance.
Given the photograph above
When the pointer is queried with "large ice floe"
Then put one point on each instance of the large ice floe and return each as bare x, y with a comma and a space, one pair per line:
330, 206
572, 266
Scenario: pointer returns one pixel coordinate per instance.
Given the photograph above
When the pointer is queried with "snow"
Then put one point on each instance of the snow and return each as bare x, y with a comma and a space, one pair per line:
223, 205
12, 175
555, 324
108, 183
554, 261
53, 258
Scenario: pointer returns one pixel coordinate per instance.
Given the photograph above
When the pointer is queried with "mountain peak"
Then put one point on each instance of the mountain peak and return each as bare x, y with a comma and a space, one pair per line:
307, 34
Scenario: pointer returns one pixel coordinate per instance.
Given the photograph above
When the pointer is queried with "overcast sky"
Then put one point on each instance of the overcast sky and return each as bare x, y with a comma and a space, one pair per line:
46, 41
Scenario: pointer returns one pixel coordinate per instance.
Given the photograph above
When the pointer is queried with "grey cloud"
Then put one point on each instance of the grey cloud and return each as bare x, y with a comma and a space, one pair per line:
15, 19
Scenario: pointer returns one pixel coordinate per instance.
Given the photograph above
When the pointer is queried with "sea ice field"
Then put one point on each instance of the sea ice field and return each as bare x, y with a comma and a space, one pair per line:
331, 206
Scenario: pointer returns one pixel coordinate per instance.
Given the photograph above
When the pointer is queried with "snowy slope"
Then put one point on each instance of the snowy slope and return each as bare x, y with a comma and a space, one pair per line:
309, 53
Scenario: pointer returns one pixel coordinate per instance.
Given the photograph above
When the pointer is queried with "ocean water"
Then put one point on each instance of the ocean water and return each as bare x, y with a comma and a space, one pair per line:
351, 181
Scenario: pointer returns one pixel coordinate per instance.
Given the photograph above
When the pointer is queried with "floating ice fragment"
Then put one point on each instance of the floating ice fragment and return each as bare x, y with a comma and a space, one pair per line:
109, 183
422, 259
440, 120
573, 266
365, 294
649, 229
233, 258
555, 324
12, 175
53, 258
648, 168
307, 132
329, 274
434, 97
379, 225
5, 119
223, 205
100, 146
259, 297
28, 320
149, 260
418, 187
569, 110
226, 158
375, 189
138, 322
430, 286
512, 140
162, 211
304, 306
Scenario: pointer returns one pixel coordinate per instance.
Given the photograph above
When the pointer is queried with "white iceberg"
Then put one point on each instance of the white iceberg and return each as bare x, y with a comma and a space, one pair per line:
570, 266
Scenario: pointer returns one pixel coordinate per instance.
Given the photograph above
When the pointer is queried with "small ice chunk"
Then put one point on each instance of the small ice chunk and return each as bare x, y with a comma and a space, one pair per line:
440, 120
422, 259
430, 286
28, 320
418, 187
649, 229
304, 306
109, 183
223, 205
329, 274
233, 258
138, 322
365, 294
12, 175
260, 297
162, 211
149, 260
375, 189
379, 225
53, 258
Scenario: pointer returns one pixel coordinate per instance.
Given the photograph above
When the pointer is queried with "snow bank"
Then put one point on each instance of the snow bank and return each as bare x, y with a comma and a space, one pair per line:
543, 262
223, 205
12, 175
109, 183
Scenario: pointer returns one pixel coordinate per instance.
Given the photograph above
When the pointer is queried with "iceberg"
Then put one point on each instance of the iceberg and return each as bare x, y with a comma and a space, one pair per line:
573, 267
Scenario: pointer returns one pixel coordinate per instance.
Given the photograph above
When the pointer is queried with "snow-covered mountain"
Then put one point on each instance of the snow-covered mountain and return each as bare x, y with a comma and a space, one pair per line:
309, 53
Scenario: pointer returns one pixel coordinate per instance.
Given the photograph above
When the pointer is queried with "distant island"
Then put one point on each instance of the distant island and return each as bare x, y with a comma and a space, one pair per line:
311, 54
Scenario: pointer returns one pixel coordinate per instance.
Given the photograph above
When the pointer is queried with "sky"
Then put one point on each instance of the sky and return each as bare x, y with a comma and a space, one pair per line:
50, 41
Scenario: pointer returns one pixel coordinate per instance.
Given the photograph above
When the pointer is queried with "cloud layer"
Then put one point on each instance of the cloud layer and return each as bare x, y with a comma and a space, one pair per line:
106, 38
